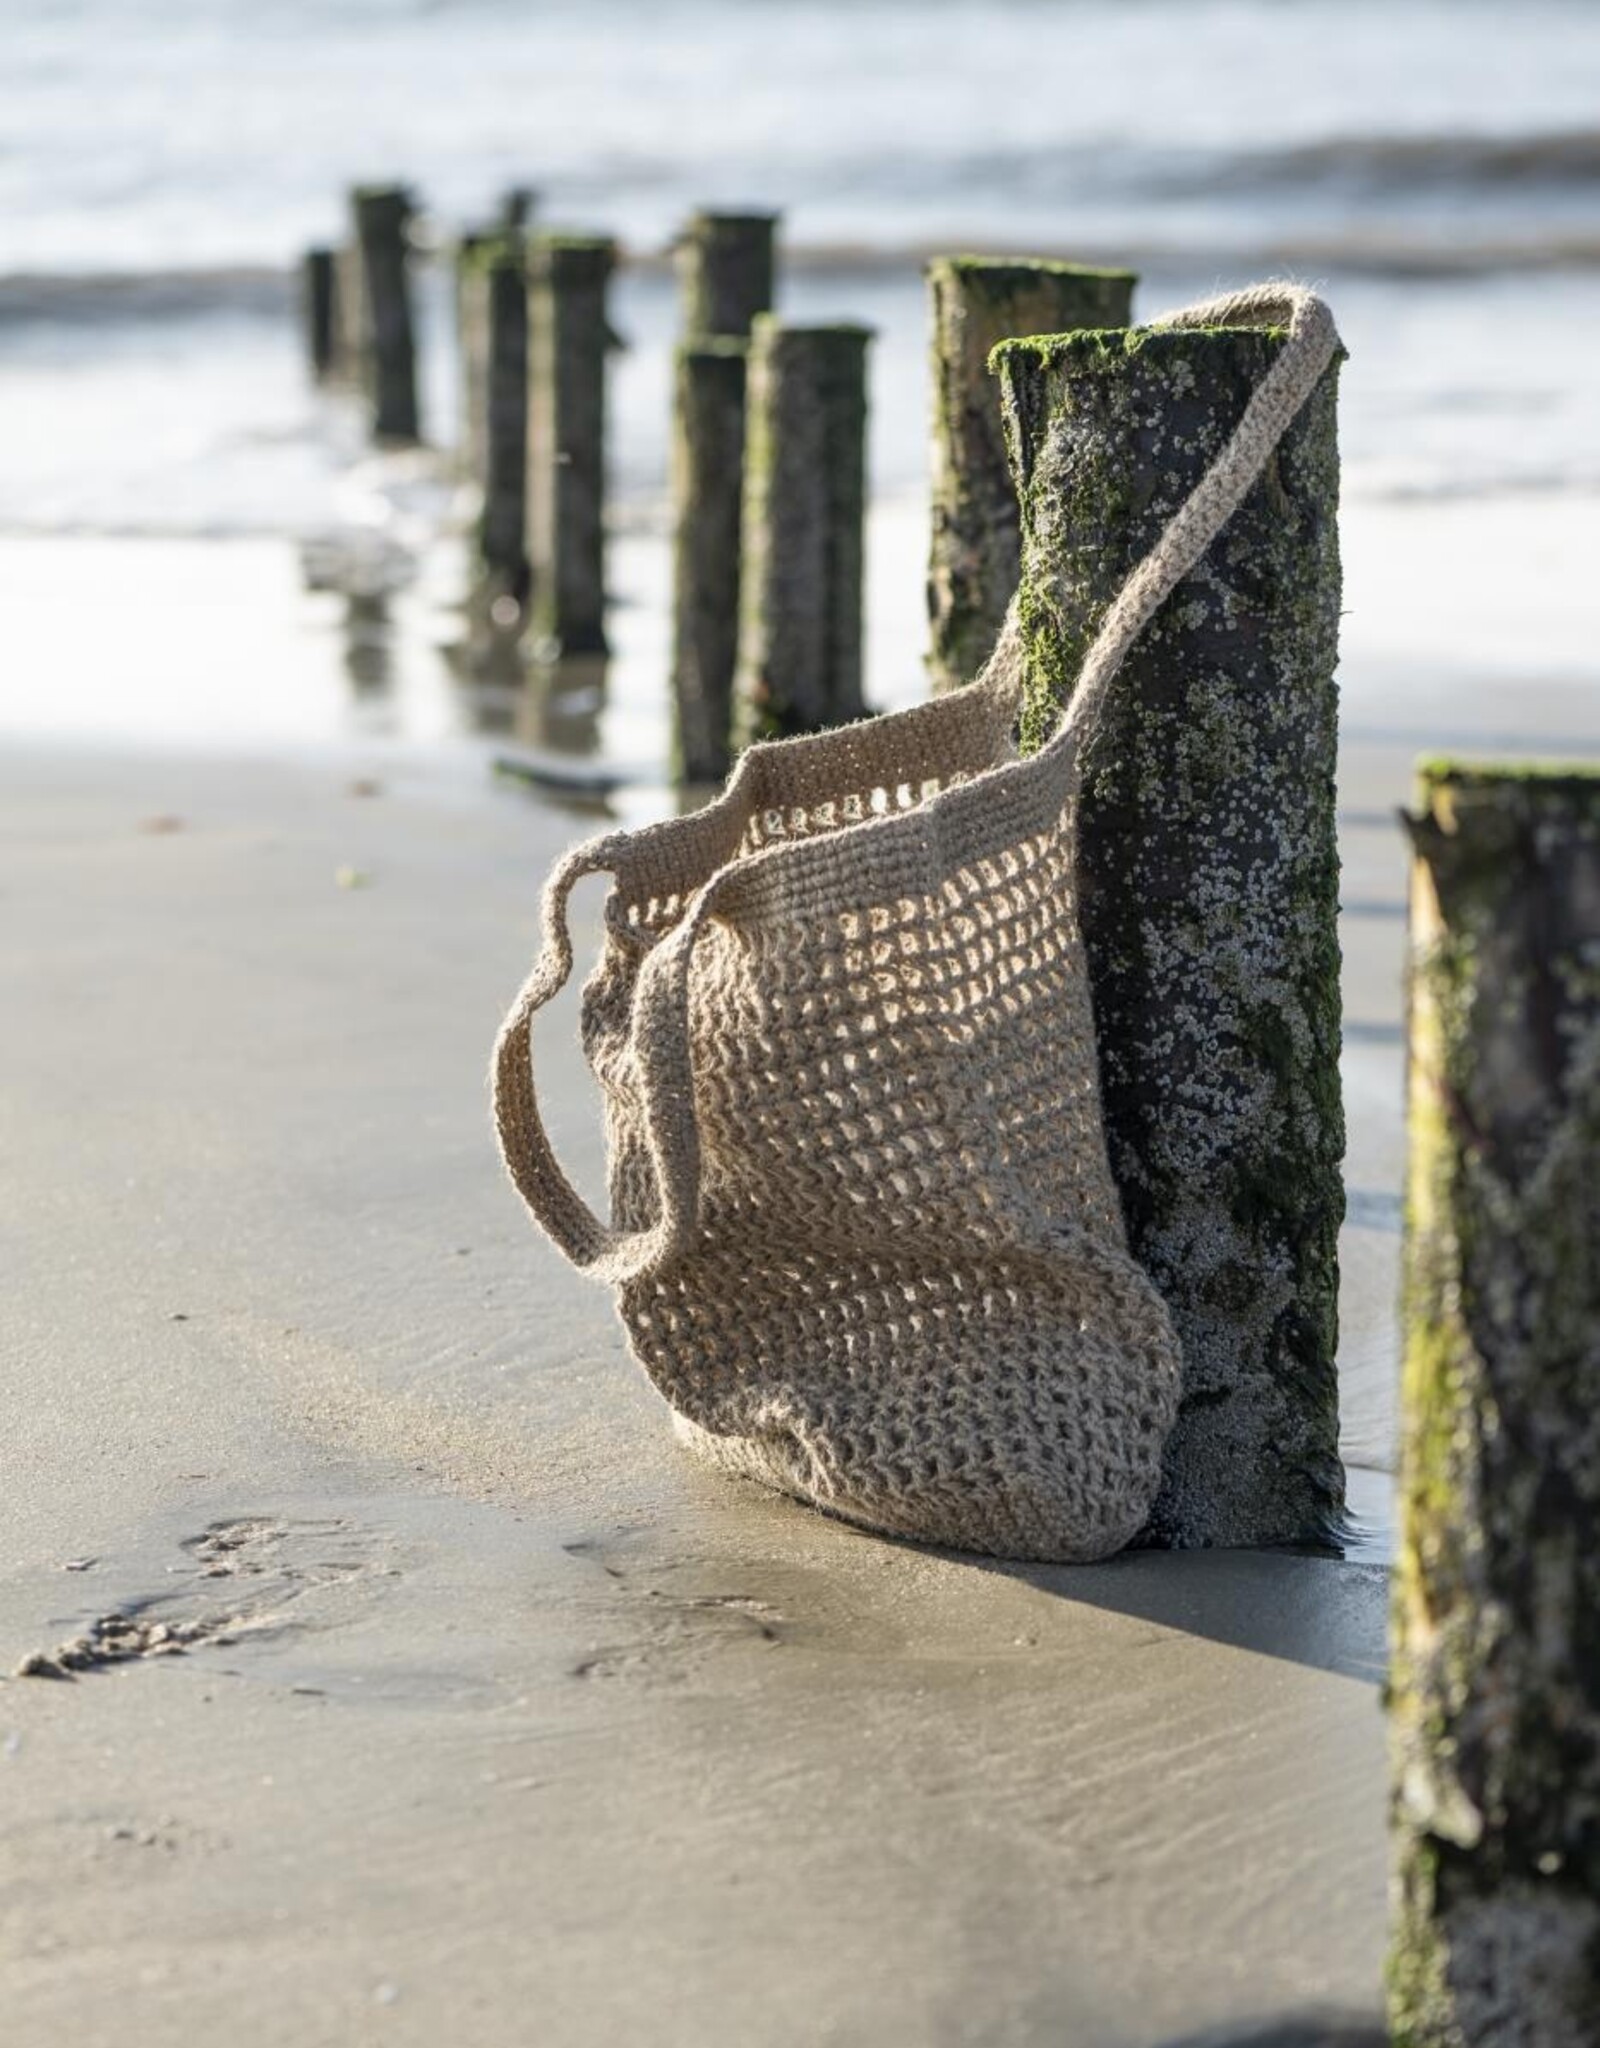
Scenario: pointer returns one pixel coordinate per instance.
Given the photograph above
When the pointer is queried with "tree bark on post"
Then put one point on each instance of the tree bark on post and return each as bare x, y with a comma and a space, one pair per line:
726, 265
1495, 1681
1209, 888
569, 337
383, 215
707, 489
802, 531
976, 303
320, 311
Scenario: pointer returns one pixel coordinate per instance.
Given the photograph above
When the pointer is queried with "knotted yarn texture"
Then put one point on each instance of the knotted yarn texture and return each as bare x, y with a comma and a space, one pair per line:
865, 1238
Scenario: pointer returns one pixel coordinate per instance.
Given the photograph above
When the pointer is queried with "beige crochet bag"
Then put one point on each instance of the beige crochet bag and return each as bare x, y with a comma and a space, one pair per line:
866, 1240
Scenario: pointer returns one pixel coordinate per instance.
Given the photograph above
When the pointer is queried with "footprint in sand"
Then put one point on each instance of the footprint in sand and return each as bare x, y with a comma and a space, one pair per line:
273, 1565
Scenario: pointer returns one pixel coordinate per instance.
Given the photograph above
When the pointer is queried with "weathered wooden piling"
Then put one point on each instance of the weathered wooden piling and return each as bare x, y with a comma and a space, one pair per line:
351, 343
472, 352
502, 522
1495, 1682
320, 311
1209, 887
726, 268
707, 491
977, 302
802, 530
569, 336
383, 216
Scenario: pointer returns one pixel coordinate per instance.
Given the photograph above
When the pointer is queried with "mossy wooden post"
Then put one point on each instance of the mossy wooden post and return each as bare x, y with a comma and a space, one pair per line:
726, 267
502, 522
976, 303
383, 216
569, 336
802, 530
319, 310
707, 489
1495, 1682
1210, 883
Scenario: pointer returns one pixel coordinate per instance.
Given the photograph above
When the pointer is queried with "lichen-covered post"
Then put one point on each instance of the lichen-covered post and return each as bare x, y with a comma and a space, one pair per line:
977, 302
707, 482
383, 216
802, 530
319, 311
726, 264
1495, 1681
1209, 887
569, 337
502, 521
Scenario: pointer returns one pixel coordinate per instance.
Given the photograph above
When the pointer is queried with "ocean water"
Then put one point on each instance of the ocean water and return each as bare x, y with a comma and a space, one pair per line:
1437, 166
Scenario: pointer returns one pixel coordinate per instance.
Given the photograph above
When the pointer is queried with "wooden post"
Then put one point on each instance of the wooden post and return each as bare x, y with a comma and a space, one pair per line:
569, 336
1209, 888
383, 214
320, 312
707, 476
801, 534
725, 268
517, 204
502, 523
472, 353
352, 347
1495, 1683
976, 303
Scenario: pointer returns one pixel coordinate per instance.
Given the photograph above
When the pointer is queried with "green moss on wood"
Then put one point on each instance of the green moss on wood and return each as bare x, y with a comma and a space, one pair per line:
1495, 1678
1210, 888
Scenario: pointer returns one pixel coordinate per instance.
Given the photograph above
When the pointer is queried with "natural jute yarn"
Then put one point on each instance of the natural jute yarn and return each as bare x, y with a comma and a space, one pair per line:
866, 1240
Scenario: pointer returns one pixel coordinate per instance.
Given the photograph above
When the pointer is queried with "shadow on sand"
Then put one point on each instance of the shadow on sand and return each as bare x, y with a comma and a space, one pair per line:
1292, 2030
1322, 1612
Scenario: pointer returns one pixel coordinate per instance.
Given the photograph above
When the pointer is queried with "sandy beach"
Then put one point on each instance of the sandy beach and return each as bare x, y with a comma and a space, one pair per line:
497, 1713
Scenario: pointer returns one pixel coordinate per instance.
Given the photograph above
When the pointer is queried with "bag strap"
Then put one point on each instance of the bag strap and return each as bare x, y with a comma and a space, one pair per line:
1312, 343
660, 1025
660, 1018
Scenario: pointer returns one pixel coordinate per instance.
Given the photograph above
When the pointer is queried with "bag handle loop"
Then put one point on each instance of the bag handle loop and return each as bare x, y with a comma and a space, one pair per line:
660, 1021
660, 1027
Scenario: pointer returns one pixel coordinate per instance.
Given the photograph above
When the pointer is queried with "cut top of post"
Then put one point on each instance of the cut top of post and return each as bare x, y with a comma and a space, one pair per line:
768, 331
505, 250
575, 259
726, 265
1002, 271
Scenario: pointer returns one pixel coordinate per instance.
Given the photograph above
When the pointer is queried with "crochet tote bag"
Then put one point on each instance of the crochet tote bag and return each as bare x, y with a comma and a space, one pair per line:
865, 1239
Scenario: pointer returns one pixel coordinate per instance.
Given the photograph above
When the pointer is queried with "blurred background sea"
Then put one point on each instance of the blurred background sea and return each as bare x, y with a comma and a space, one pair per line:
1436, 167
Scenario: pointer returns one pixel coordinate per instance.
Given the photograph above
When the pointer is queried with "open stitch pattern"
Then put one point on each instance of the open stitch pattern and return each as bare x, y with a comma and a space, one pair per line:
908, 1299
